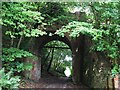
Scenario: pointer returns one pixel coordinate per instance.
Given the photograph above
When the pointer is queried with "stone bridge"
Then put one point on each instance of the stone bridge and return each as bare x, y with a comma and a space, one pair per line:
87, 67
76, 46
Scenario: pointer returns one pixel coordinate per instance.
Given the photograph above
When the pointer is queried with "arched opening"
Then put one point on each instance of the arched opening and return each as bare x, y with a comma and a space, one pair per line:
77, 56
56, 59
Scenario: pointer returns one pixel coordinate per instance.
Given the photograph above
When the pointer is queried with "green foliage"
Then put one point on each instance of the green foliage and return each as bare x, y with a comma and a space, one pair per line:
55, 13
21, 19
109, 42
76, 28
8, 81
107, 11
10, 59
106, 41
52, 9
101, 13
115, 70
18, 67
61, 20
10, 54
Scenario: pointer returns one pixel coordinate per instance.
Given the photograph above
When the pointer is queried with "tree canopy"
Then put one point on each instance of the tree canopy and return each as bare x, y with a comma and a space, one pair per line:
26, 20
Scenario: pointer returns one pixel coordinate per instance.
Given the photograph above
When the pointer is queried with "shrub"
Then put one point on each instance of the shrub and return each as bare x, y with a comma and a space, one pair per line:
7, 80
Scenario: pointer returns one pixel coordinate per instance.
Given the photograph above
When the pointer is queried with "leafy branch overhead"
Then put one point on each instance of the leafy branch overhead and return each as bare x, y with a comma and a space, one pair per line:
76, 28
21, 19
103, 39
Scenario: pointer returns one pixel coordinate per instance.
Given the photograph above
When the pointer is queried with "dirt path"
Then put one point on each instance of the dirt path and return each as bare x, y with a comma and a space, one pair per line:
53, 83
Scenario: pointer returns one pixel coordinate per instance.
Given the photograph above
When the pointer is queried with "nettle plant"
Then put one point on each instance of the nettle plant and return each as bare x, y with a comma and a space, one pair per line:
106, 41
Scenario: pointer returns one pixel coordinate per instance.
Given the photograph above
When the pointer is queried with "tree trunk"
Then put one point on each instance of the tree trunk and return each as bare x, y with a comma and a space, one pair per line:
12, 40
20, 40
50, 61
46, 58
47, 55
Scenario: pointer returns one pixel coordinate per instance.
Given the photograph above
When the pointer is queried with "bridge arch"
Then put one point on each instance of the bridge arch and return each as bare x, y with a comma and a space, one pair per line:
77, 48
47, 39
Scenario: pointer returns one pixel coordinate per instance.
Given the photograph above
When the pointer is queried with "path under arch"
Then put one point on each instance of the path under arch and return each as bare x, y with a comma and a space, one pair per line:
52, 82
